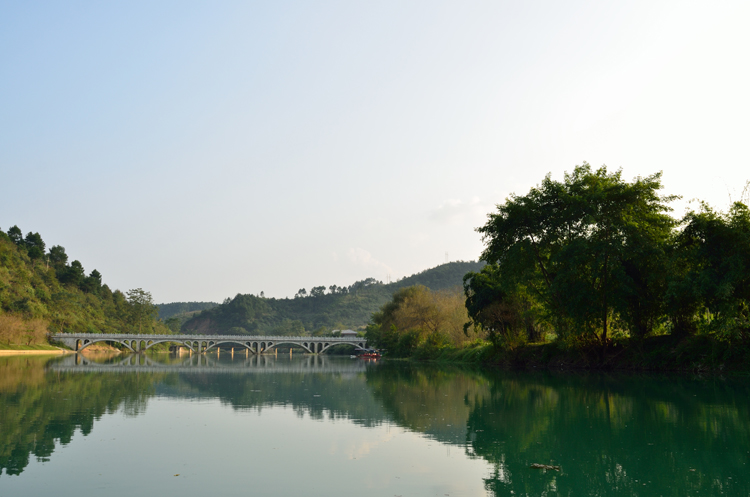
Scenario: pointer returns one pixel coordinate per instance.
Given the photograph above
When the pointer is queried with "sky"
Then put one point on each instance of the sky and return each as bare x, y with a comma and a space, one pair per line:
202, 149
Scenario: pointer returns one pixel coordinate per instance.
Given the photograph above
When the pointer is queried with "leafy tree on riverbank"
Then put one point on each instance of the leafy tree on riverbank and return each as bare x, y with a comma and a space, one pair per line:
594, 255
417, 318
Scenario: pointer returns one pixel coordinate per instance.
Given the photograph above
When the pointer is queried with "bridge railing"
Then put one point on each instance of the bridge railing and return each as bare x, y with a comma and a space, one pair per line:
240, 338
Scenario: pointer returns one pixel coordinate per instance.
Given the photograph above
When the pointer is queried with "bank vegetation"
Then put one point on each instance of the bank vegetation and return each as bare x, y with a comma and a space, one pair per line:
42, 292
592, 271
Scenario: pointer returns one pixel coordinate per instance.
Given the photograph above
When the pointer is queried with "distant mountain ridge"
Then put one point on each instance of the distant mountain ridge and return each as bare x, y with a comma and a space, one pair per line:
342, 307
172, 309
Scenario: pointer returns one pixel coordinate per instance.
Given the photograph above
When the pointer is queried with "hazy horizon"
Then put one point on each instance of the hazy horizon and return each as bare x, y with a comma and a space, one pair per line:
199, 150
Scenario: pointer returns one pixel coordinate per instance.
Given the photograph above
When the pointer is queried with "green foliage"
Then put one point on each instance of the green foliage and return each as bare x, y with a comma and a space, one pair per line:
342, 307
420, 322
504, 311
57, 258
443, 277
173, 324
581, 247
16, 235
595, 257
142, 310
34, 245
166, 311
34, 419
712, 287
57, 297
73, 275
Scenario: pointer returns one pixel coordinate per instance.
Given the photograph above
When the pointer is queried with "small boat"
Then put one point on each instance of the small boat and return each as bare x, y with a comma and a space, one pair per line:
370, 354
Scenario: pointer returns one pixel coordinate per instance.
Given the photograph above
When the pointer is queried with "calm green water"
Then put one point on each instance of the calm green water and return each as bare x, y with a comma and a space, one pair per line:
326, 426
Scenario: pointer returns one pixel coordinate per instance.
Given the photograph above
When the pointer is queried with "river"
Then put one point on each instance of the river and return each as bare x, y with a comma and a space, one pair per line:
331, 426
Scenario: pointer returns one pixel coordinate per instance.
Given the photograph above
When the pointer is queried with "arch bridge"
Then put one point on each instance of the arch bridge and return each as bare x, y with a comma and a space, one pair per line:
203, 343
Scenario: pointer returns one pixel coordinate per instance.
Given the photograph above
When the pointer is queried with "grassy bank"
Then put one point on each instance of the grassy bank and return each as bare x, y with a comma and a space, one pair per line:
700, 353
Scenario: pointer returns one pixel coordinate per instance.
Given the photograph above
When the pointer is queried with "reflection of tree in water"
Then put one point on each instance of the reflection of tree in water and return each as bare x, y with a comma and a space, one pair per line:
433, 400
610, 434
614, 434
319, 395
39, 409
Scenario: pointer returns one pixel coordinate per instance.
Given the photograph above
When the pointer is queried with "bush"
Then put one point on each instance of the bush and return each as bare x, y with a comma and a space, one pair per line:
14, 329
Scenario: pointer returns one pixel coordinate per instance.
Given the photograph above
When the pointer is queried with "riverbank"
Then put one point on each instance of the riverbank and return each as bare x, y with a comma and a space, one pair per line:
695, 354
16, 349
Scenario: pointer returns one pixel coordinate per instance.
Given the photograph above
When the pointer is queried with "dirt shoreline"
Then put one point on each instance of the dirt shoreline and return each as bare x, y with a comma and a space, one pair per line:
35, 352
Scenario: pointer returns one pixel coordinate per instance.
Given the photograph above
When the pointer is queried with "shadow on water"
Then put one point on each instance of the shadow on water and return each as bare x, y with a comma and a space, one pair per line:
610, 434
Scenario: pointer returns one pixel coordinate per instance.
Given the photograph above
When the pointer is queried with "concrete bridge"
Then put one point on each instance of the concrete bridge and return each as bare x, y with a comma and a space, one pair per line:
203, 343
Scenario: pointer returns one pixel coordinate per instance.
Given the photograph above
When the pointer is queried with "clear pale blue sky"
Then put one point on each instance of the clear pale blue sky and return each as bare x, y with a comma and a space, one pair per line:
201, 149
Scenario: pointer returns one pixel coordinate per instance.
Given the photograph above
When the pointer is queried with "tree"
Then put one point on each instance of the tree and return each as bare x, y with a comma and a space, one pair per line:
92, 283
173, 324
416, 316
16, 235
143, 309
289, 327
34, 245
317, 291
578, 246
73, 275
57, 258
713, 256
501, 311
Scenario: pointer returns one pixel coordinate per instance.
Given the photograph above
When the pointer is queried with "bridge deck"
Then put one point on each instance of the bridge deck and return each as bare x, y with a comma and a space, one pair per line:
202, 343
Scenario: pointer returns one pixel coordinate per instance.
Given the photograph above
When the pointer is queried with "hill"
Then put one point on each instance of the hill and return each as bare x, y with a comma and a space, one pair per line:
41, 292
175, 309
175, 314
318, 311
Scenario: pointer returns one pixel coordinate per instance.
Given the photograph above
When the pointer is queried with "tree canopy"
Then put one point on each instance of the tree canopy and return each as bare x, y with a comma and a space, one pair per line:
583, 247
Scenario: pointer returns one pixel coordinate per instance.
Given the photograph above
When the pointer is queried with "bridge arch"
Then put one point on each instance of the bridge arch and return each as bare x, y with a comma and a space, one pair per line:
82, 343
356, 345
289, 342
240, 342
203, 343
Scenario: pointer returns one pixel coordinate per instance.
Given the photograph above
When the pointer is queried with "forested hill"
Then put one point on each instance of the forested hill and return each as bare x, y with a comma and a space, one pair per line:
41, 292
320, 309
172, 309
442, 277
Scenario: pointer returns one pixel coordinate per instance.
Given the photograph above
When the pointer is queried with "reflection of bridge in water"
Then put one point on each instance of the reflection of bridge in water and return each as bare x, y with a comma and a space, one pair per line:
203, 343
207, 364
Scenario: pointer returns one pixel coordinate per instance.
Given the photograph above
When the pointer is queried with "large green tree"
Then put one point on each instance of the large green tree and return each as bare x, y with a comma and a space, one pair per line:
584, 248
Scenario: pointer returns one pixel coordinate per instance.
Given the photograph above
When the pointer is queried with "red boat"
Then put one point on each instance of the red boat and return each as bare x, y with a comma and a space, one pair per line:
369, 354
